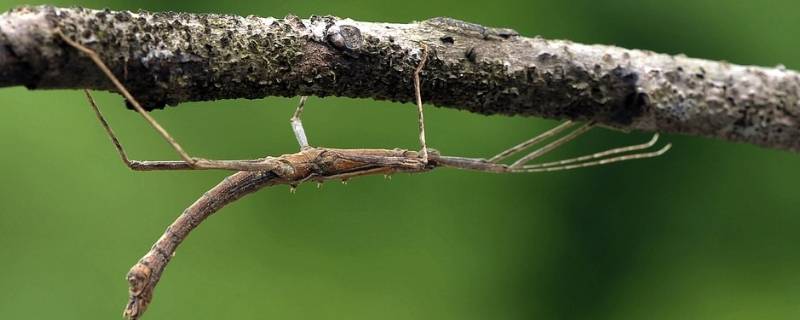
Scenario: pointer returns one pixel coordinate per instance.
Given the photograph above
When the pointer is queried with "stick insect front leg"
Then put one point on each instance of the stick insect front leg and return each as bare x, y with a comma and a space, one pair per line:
263, 164
188, 163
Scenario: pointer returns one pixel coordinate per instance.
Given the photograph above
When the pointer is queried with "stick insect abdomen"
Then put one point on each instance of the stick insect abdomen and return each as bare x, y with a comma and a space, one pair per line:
469, 164
145, 274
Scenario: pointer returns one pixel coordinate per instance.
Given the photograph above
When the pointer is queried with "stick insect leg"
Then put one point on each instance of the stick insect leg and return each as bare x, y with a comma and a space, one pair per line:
133, 164
549, 133
236, 165
265, 164
297, 124
552, 145
597, 155
418, 95
644, 155
121, 88
594, 159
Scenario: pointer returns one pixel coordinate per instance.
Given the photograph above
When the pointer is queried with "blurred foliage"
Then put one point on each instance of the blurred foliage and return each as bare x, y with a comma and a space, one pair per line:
708, 231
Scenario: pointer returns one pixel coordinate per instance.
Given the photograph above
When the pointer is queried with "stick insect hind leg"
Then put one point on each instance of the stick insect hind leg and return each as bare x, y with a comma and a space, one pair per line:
188, 163
521, 165
594, 159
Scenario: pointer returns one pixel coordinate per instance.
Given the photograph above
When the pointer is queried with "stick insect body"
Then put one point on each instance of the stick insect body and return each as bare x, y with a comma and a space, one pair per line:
320, 164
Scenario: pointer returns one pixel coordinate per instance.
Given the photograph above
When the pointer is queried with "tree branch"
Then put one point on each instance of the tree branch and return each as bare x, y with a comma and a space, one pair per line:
169, 58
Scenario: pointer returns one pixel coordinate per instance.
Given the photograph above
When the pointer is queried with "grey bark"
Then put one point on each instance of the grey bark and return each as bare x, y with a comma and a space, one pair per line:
169, 58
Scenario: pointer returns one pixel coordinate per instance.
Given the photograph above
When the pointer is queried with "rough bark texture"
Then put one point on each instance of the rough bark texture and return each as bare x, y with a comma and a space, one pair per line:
169, 58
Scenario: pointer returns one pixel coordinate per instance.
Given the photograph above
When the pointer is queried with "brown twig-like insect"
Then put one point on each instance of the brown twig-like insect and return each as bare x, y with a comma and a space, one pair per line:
318, 164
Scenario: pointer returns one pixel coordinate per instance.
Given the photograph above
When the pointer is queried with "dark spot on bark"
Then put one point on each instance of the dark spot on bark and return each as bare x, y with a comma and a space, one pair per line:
101, 15
17, 70
471, 55
122, 16
625, 82
630, 78
744, 120
633, 108
447, 40
546, 57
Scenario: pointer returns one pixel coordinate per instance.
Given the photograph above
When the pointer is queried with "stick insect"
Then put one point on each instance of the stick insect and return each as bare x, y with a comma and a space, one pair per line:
320, 164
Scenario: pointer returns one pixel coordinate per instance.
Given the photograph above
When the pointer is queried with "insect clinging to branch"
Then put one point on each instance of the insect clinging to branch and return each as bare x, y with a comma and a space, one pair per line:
319, 164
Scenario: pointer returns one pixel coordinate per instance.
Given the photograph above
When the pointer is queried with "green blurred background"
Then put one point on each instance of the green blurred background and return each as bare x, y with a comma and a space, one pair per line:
708, 231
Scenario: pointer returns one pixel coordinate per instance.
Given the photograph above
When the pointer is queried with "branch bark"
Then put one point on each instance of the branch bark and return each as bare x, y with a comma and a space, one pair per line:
169, 58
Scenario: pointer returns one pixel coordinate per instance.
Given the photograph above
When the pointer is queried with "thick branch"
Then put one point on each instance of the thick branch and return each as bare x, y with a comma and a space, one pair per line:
169, 58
